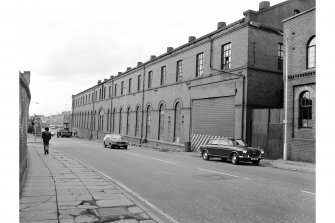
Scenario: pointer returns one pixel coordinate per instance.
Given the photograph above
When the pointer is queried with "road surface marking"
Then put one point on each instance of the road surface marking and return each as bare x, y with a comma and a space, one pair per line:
133, 154
163, 161
223, 173
123, 188
307, 192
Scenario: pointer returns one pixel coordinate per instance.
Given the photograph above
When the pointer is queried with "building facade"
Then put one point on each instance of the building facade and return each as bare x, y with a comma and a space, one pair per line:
301, 85
205, 88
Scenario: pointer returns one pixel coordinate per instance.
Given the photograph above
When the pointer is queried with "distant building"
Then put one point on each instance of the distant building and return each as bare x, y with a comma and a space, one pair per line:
300, 30
208, 87
24, 100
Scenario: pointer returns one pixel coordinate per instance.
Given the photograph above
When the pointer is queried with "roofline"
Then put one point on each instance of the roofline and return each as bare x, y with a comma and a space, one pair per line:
299, 14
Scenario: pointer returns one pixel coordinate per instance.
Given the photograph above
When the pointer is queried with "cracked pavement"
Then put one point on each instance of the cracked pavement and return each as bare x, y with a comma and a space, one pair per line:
60, 189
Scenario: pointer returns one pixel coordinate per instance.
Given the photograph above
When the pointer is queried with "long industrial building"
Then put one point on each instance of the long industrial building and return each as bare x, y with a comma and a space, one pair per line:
211, 86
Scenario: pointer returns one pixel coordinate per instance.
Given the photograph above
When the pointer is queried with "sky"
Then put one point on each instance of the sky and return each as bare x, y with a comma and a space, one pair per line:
68, 45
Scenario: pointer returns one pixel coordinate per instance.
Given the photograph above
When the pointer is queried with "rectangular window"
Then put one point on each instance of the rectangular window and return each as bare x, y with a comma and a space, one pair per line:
226, 56
89, 98
280, 56
122, 86
200, 65
104, 94
163, 75
139, 80
109, 92
115, 90
149, 79
129, 85
179, 74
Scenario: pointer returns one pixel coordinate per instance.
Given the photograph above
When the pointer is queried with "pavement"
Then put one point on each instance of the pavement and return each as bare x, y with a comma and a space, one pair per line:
60, 189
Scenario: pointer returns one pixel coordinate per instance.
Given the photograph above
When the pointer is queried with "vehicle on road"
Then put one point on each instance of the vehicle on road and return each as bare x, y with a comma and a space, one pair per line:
235, 150
63, 132
115, 140
53, 132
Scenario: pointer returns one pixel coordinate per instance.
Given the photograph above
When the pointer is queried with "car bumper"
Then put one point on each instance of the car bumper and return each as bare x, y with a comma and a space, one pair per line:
250, 158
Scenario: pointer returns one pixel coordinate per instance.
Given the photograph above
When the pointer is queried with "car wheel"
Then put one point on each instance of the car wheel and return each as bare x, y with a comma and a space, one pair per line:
255, 162
224, 159
125, 147
205, 155
105, 145
235, 159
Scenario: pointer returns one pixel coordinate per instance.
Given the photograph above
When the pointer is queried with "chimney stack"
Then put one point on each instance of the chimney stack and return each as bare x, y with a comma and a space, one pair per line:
152, 57
128, 68
99, 81
169, 49
139, 63
191, 38
119, 73
221, 25
105, 79
111, 77
264, 5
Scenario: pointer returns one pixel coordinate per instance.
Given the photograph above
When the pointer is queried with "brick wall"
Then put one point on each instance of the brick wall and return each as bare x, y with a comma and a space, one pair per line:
23, 123
301, 141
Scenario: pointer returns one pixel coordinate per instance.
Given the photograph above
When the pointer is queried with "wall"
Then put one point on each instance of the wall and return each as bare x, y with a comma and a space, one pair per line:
301, 141
23, 122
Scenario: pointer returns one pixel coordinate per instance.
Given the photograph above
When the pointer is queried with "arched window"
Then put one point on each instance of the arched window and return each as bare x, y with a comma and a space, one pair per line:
137, 121
107, 120
94, 120
113, 120
101, 120
161, 121
311, 53
128, 121
305, 110
296, 11
120, 122
148, 122
177, 113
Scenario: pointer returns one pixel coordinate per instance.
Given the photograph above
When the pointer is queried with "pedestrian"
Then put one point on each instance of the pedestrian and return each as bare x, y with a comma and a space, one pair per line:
46, 136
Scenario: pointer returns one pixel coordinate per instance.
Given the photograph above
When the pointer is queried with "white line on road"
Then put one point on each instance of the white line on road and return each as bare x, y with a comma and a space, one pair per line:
133, 154
223, 173
163, 161
307, 192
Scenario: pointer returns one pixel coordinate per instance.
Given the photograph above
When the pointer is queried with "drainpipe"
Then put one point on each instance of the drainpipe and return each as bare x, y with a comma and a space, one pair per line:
142, 104
286, 75
93, 116
112, 97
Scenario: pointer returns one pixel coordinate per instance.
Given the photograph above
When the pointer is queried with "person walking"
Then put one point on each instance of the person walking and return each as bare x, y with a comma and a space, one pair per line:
46, 136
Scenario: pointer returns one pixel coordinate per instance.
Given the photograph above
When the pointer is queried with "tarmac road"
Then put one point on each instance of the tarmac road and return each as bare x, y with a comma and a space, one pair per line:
189, 189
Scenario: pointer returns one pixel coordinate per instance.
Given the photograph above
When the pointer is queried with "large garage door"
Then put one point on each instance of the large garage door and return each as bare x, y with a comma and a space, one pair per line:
214, 116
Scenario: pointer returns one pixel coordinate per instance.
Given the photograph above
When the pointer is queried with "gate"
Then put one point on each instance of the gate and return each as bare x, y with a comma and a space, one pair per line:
267, 131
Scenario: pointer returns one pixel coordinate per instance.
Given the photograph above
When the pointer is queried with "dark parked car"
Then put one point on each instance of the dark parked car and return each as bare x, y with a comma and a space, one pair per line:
234, 149
63, 132
115, 140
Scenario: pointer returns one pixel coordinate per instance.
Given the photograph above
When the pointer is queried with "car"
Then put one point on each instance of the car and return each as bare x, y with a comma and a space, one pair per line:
115, 140
64, 132
235, 150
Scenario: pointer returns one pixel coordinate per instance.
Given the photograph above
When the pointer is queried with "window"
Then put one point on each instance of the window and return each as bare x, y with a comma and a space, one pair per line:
161, 122
120, 122
100, 94
115, 89
89, 98
113, 119
280, 56
137, 121
311, 53
104, 93
148, 122
226, 56
200, 65
129, 86
177, 113
86, 99
128, 121
179, 74
305, 110
149, 79
163, 75
122, 86
139, 80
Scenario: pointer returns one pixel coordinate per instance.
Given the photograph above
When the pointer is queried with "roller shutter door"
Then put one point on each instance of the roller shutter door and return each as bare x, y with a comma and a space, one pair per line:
214, 116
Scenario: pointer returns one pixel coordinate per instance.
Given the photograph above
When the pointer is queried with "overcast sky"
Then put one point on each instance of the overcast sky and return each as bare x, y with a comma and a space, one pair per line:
68, 45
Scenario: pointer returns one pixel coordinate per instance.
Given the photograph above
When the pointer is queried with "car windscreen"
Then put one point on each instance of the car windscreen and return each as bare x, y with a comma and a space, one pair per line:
240, 142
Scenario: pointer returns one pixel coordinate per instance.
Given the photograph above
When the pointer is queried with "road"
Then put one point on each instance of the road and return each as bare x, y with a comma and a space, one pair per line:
190, 190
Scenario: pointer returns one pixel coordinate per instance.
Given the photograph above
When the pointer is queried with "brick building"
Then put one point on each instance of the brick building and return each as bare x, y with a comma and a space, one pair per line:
207, 87
301, 85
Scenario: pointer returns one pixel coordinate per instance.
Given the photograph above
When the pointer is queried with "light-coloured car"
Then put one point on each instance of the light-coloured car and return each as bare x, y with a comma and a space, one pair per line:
115, 140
